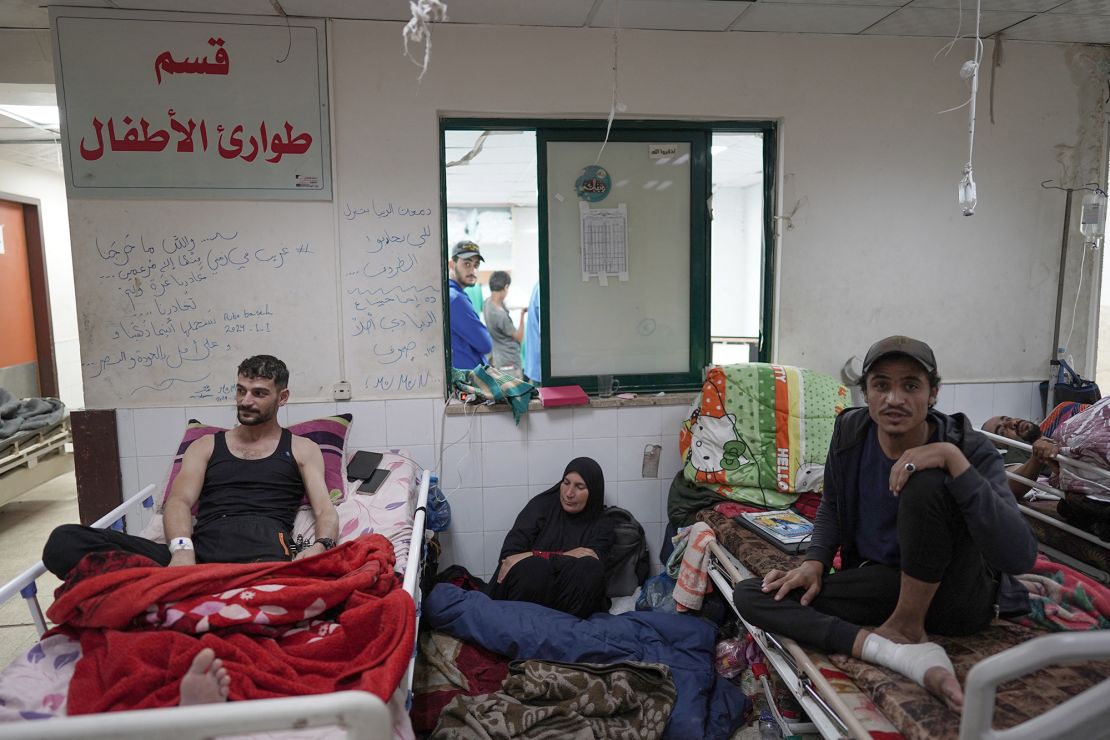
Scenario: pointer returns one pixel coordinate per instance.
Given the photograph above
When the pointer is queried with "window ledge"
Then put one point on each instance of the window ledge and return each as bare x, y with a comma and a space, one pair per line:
457, 408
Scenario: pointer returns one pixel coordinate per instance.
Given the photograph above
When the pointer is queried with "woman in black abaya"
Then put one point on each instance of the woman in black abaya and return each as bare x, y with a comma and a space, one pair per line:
557, 551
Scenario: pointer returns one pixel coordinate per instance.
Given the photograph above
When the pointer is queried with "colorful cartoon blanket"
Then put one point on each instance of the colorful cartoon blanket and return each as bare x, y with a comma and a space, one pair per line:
332, 622
759, 430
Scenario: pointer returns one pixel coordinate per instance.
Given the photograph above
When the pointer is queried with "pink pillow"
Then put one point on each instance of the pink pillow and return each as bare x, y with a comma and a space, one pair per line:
330, 432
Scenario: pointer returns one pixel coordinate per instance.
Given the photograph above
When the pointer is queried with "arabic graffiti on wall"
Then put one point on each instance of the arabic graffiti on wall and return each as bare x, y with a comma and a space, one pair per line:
392, 312
186, 104
168, 307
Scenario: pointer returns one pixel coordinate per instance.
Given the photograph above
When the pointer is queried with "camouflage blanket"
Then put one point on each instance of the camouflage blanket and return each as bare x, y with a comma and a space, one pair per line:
566, 701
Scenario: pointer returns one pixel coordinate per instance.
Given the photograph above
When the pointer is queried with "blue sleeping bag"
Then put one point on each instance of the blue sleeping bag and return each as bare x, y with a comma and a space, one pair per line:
707, 706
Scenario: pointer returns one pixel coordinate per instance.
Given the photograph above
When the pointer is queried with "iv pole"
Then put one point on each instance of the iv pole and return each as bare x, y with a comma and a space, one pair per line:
1054, 363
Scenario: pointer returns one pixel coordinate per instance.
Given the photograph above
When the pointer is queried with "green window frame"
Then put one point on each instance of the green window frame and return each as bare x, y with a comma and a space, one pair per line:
698, 134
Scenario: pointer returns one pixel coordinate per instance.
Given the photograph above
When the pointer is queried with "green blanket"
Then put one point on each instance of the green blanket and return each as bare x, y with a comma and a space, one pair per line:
759, 430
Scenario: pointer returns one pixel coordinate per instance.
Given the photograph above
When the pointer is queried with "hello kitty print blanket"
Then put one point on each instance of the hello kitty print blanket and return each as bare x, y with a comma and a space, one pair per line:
759, 433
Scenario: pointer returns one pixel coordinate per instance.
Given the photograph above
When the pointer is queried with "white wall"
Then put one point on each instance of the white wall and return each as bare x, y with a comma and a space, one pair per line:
878, 244
49, 189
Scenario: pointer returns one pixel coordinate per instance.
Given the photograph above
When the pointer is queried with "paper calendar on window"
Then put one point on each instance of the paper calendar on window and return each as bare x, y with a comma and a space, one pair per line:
604, 242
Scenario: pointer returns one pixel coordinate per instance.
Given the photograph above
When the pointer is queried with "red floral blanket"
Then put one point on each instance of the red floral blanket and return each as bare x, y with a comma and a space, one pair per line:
332, 622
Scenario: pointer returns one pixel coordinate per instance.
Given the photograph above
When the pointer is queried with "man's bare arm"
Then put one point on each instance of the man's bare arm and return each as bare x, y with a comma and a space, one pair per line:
311, 463
177, 515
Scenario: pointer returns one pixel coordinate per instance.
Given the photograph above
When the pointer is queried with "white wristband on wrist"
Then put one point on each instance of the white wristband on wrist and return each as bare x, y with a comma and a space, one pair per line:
180, 543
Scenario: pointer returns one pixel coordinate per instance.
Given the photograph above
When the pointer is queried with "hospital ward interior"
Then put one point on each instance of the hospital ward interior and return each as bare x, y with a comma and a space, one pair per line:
554, 369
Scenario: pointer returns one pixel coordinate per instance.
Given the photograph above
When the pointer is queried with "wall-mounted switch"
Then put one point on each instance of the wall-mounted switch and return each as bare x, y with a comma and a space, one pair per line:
342, 391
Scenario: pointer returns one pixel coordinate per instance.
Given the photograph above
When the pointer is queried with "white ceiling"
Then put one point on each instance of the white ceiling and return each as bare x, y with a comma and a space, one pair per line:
1069, 21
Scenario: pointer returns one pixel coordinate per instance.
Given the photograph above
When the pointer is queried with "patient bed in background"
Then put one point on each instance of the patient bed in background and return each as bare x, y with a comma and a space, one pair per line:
1057, 538
30, 458
34, 687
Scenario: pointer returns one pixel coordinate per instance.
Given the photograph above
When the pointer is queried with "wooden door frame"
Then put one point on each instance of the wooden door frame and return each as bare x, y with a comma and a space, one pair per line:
40, 292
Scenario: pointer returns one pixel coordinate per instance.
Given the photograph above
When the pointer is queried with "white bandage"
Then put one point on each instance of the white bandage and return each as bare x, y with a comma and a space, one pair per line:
912, 661
180, 543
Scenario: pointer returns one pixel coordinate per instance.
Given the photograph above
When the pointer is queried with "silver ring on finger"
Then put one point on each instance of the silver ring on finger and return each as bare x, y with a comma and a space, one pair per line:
910, 467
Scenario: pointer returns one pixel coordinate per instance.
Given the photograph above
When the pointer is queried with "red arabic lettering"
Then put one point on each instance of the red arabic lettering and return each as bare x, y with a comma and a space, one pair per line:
166, 63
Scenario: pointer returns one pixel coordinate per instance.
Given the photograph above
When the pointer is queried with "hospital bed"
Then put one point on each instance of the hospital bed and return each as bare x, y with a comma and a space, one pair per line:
838, 706
1055, 537
361, 714
29, 459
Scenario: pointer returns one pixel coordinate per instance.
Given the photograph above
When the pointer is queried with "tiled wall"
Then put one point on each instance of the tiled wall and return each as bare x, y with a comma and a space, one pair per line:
491, 466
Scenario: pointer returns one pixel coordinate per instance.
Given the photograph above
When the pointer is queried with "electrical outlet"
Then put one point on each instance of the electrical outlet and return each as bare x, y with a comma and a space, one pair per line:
342, 391
650, 468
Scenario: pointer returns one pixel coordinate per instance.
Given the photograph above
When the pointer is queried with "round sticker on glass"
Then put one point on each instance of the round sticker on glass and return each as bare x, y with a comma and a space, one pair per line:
593, 184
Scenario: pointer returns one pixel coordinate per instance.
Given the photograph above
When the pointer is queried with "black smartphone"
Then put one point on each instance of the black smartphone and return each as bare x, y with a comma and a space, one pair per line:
374, 481
363, 465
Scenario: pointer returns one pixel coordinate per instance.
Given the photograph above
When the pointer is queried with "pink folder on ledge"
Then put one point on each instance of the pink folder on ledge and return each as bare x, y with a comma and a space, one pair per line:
563, 395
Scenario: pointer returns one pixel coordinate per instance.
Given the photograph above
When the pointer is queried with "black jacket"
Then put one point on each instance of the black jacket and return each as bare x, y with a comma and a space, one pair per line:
989, 508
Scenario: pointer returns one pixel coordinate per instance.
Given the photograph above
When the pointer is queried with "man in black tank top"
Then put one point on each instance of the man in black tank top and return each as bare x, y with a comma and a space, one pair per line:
246, 483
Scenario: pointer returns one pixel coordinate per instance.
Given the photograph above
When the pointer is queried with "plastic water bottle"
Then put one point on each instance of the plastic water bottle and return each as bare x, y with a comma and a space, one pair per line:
768, 727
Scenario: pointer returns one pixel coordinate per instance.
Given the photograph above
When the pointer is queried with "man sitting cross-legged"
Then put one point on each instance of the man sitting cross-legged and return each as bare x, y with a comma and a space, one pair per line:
247, 483
917, 502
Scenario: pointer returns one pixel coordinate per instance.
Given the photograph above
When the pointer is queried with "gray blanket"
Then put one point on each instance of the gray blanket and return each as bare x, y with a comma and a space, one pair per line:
28, 414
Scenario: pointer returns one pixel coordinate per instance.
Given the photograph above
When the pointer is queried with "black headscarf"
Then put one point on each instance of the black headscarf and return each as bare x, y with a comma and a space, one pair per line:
543, 524
591, 473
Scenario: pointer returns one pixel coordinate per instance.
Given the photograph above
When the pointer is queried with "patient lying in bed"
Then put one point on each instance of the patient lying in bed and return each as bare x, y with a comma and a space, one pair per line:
1082, 433
917, 503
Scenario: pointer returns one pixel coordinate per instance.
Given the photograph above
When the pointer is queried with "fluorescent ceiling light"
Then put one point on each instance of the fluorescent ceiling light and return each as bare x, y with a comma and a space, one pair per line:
37, 115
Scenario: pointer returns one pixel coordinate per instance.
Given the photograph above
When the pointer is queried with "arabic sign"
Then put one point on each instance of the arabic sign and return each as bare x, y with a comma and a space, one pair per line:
593, 184
184, 105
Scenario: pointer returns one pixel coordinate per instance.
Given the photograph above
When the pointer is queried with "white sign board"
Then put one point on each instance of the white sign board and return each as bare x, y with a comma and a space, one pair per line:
165, 105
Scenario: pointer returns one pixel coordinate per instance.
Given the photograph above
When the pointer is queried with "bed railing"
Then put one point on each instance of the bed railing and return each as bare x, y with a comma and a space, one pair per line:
1042, 491
411, 583
1082, 716
1094, 473
828, 712
24, 584
364, 717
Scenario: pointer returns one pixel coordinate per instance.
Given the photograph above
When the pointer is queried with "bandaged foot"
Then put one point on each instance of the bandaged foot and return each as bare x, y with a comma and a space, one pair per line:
912, 661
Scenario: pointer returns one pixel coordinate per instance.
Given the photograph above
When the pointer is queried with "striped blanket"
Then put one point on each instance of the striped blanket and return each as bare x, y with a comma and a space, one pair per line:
758, 429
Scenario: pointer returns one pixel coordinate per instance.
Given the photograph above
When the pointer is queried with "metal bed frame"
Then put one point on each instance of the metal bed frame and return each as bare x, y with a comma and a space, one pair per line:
32, 458
363, 715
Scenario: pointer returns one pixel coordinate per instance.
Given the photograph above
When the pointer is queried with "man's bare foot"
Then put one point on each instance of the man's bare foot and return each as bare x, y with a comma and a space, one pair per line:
944, 685
206, 681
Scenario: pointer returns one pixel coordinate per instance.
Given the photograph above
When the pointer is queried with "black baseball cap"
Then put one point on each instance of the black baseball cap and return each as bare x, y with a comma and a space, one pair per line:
465, 249
900, 345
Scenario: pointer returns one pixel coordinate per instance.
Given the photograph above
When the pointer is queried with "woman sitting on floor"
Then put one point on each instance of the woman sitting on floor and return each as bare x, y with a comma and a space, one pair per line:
557, 551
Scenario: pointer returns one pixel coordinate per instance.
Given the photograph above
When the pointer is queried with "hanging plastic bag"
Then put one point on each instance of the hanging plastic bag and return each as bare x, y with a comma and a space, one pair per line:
439, 508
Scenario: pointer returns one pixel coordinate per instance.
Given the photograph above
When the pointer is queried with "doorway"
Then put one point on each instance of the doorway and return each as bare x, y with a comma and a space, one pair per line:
26, 354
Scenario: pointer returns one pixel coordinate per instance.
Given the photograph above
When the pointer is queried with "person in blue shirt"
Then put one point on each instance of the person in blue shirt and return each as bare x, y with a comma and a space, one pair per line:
470, 340
532, 338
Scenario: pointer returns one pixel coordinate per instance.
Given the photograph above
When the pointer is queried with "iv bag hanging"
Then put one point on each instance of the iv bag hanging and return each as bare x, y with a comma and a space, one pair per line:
1092, 219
